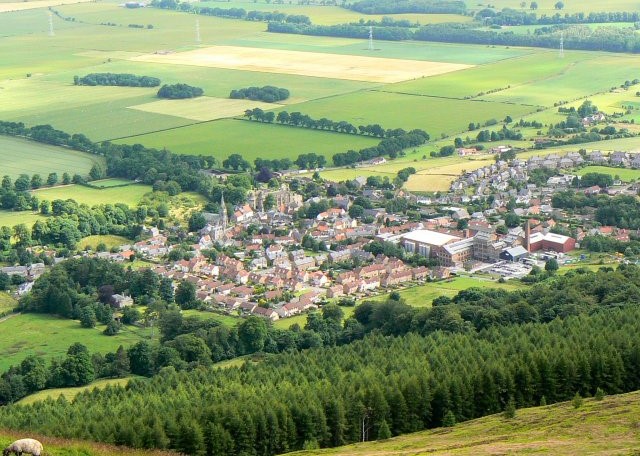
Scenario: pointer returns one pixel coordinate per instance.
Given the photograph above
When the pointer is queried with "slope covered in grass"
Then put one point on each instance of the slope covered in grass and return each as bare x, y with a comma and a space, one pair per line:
610, 426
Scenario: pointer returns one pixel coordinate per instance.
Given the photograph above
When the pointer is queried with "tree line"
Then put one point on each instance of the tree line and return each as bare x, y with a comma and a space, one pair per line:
116, 79
268, 94
611, 39
232, 13
513, 17
408, 6
389, 146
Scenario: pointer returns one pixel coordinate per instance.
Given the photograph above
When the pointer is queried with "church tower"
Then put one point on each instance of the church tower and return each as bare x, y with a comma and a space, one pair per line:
224, 219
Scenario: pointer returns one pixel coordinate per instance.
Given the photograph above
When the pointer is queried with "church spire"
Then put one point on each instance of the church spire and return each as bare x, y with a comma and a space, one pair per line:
223, 212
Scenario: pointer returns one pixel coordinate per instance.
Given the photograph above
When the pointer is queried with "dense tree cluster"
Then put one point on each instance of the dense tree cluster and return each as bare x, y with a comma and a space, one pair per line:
513, 17
179, 91
116, 79
268, 94
408, 6
579, 37
388, 146
232, 13
388, 33
591, 179
622, 211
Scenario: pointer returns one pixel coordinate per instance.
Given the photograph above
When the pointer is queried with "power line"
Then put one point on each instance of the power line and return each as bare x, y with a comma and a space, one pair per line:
198, 40
371, 38
51, 32
561, 45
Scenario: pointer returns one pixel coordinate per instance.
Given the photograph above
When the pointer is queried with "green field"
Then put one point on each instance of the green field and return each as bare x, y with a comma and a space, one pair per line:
626, 175
130, 195
6, 302
607, 427
251, 139
71, 393
423, 295
394, 110
48, 337
9, 218
107, 239
106, 183
20, 156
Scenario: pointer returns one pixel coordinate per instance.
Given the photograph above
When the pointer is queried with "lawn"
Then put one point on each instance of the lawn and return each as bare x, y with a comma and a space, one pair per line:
130, 195
108, 240
71, 393
21, 156
252, 139
626, 175
48, 337
226, 320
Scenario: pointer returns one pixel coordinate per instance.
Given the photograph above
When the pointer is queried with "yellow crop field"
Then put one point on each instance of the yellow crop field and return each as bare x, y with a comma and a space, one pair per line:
203, 108
350, 67
24, 5
439, 178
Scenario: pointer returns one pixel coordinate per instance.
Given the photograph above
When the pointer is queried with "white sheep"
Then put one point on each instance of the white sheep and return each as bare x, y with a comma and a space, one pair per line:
24, 446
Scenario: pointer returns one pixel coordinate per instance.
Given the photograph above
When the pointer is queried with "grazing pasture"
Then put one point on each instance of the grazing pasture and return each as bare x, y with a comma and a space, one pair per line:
109, 240
335, 66
21, 156
130, 195
72, 392
10, 218
435, 115
423, 295
251, 139
6, 302
48, 337
408, 50
203, 108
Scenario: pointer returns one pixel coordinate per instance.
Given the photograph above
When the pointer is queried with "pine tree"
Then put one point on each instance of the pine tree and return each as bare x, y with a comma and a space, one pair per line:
449, 419
577, 401
599, 394
510, 409
384, 432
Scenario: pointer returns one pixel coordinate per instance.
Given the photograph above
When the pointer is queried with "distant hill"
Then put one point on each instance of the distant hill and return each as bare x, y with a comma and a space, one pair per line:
610, 426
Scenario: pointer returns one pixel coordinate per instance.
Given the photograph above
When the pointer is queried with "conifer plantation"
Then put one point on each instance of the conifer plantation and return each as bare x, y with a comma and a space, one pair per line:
392, 381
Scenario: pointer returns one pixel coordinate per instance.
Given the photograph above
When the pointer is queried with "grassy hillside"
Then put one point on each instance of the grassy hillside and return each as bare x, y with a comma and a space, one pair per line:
65, 447
48, 336
610, 426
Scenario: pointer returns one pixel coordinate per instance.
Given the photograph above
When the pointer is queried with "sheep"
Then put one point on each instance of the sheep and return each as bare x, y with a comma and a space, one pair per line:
24, 446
